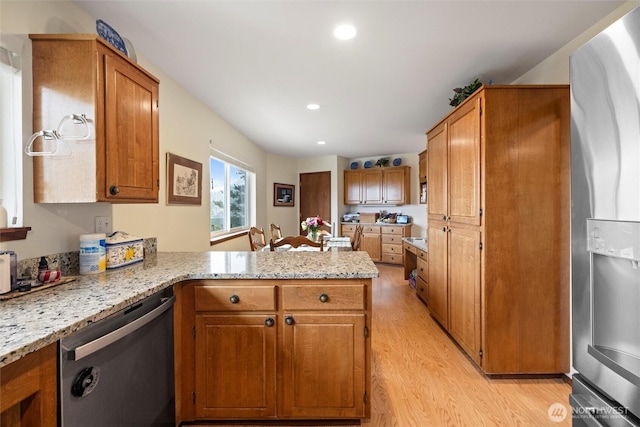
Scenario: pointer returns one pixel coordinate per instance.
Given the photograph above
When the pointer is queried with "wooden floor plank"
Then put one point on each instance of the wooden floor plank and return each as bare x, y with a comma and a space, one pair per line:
422, 378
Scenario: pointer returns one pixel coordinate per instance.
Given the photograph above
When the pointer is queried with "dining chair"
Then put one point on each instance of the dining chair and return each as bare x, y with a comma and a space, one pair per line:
276, 233
257, 239
296, 241
357, 237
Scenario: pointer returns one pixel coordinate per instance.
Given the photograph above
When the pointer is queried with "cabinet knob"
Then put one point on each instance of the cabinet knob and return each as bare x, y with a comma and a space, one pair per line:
234, 299
444, 229
444, 217
289, 320
113, 190
269, 322
324, 298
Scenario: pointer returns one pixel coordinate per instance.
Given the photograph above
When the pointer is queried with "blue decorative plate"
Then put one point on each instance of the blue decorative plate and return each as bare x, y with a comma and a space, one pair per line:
397, 161
367, 164
109, 34
354, 165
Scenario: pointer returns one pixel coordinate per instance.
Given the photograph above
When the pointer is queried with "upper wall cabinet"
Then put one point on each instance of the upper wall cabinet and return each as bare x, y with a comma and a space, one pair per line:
81, 75
379, 186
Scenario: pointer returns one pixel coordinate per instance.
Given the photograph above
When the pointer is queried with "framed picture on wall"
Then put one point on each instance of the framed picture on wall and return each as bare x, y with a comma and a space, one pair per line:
283, 194
184, 181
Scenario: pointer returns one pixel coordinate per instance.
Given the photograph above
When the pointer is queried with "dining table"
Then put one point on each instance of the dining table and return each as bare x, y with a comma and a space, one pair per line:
330, 244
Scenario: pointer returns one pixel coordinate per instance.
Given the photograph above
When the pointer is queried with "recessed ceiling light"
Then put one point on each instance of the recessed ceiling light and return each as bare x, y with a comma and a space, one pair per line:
345, 32
313, 106
321, 142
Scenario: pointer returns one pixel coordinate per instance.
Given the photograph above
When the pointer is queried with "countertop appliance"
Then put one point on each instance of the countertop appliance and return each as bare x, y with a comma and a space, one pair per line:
605, 226
119, 371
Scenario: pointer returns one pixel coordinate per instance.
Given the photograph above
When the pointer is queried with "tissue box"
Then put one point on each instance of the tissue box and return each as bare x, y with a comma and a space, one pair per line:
123, 249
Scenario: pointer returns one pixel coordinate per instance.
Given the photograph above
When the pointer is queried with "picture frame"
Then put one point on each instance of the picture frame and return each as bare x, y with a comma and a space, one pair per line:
283, 194
184, 181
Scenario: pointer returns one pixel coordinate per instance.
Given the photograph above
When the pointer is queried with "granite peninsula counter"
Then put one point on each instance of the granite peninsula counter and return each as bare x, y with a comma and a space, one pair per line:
31, 322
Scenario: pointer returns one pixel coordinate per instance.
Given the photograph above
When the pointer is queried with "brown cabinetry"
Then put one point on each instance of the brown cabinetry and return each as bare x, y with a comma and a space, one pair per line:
383, 243
28, 390
267, 349
377, 186
498, 228
119, 160
422, 176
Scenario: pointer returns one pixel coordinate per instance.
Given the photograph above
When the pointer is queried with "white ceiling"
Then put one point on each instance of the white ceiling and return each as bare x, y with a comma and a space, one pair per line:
259, 63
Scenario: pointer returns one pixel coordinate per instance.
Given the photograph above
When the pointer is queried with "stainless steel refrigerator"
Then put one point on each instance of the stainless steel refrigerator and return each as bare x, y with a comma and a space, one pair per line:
605, 226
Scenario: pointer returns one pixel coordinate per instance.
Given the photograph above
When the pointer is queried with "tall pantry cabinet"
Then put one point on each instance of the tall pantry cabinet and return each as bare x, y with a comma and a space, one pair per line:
498, 228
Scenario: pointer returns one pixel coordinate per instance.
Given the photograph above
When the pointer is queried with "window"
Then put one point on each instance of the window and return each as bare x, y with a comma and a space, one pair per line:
230, 197
11, 133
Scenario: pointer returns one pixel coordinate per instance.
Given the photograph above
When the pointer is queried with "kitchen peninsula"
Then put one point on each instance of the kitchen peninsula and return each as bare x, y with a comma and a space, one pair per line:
286, 292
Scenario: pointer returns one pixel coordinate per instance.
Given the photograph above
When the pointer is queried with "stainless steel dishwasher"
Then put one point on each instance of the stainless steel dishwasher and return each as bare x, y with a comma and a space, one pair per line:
119, 371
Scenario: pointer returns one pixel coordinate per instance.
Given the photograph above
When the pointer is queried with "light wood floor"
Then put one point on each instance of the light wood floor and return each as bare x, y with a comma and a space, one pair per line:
421, 378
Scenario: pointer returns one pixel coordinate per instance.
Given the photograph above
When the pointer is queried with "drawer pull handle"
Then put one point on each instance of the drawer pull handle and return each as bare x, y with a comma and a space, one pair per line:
269, 322
289, 320
234, 299
324, 298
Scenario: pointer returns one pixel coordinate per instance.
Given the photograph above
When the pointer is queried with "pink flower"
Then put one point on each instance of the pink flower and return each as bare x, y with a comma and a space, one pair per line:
312, 223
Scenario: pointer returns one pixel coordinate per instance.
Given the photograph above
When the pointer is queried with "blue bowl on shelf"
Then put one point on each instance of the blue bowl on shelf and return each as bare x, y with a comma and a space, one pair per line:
367, 164
354, 165
397, 161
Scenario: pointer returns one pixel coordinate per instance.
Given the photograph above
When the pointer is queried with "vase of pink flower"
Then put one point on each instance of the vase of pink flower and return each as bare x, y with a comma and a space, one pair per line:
312, 224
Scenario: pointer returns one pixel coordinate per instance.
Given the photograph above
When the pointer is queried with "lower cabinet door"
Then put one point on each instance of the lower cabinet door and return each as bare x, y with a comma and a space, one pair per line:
235, 366
323, 366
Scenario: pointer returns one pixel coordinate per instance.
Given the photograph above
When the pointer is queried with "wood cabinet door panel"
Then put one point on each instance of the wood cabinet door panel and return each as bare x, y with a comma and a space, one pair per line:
422, 166
324, 366
371, 244
438, 289
372, 187
352, 187
236, 366
437, 171
464, 164
394, 186
131, 118
464, 289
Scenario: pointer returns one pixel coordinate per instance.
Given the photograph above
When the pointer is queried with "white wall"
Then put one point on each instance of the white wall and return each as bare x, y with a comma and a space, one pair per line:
186, 127
555, 69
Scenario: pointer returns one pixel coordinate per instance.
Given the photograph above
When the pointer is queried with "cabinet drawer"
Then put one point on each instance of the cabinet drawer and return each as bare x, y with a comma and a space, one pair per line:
410, 248
339, 297
351, 228
422, 254
421, 288
423, 268
248, 298
371, 229
393, 230
391, 258
391, 249
392, 238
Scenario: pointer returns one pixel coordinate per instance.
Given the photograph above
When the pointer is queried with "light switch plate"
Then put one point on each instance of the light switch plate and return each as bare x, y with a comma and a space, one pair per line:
103, 224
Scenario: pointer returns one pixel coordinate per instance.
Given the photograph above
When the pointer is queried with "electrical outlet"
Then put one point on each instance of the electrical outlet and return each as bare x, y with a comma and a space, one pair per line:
103, 224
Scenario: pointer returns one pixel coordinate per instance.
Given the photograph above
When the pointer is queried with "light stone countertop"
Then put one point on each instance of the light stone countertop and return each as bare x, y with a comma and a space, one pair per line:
418, 242
30, 322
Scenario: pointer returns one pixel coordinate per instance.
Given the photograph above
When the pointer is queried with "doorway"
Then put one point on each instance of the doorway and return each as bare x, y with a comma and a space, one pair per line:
315, 197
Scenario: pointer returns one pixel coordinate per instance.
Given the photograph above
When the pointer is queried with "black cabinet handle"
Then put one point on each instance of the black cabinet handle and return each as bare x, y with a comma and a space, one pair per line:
444, 217
269, 322
444, 229
289, 320
234, 299
324, 298
113, 190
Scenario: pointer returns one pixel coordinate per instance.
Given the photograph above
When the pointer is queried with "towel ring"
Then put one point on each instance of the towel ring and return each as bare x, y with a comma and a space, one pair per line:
56, 135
